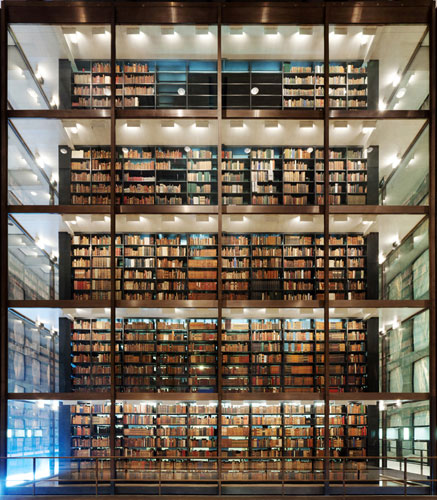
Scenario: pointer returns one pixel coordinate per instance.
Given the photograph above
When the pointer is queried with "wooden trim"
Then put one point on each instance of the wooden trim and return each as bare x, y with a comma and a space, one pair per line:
282, 114
59, 113
166, 113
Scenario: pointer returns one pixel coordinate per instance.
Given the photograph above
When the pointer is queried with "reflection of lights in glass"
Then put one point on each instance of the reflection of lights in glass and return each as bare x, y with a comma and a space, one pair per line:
401, 92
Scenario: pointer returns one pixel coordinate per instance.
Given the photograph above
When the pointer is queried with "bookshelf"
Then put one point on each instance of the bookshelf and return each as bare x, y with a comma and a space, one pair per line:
294, 175
91, 354
147, 84
152, 355
290, 266
90, 266
274, 355
159, 266
155, 175
258, 84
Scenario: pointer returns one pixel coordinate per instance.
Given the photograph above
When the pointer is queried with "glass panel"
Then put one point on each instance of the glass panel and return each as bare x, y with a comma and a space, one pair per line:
272, 67
379, 67
383, 162
285, 261
59, 257
272, 162
65, 162
266, 350
166, 67
61, 67
387, 246
166, 352
166, 162
159, 257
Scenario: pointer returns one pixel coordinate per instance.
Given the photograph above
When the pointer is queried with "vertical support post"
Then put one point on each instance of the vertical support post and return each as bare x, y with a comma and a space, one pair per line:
33, 476
3, 250
432, 252
326, 241
219, 245
112, 258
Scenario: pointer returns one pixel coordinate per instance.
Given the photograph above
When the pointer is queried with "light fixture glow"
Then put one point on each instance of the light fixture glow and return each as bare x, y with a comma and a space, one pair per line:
32, 94
236, 30
305, 30
133, 124
401, 92
271, 124
271, 30
395, 162
167, 30
369, 126
396, 79
306, 124
202, 30
411, 79
381, 258
98, 30
70, 34
236, 124
341, 124
133, 30
168, 124
202, 123
340, 30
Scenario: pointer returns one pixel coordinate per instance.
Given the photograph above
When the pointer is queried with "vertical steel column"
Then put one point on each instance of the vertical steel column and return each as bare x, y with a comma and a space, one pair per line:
326, 238
432, 243
112, 258
3, 250
219, 242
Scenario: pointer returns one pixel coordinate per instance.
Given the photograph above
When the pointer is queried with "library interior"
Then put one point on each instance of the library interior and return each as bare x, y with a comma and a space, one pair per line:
218, 248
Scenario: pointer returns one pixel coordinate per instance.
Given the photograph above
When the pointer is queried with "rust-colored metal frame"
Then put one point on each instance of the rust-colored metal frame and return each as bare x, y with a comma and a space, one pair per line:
219, 13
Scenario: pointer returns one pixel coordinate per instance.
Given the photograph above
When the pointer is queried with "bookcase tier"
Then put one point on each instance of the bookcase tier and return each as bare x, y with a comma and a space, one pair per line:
268, 432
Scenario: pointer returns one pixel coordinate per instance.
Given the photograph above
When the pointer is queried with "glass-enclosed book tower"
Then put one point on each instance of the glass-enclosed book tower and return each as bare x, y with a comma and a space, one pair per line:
220, 243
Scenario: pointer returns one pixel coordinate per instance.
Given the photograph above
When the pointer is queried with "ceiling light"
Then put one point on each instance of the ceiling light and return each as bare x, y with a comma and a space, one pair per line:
271, 124
70, 127
382, 105
401, 92
395, 162
64, 151
254, 90
411, 79
181, 91
305, 30
306, 124
396, 79
340, 30
381, 258
133, 124
270, 30
39, 161
202, 124
33, 193
369, 30
237, 218
236, 30
202, 30
247, 150
133, 30
236, 124
125, 150
168, 218
168, 124
341, 124
413, 158
187, 149
71, 33
98, 30
32, 94
202, 218
369, 126
38, 75
167, 30
310, 150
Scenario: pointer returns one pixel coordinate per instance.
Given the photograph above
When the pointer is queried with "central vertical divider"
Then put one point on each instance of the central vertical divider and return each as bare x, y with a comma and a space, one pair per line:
432, 252
219, 246
112, 257
326, 241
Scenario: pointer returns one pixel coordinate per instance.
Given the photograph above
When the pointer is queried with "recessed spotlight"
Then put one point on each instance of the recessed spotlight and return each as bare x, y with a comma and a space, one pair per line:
340, 30
202, 123
270, 30
64, 151
133, 30
181, 91
254, 90
168, 124
71, 33
247, 150
202, 30
187, 149
98, 30
305, 30
271, 124
133, 124
306, 124
310, 150
125, 150
236, 124
341, 124
167, 30
236, 30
